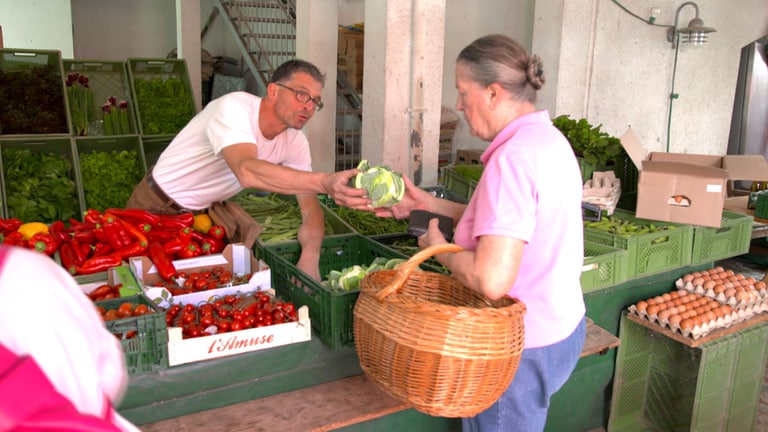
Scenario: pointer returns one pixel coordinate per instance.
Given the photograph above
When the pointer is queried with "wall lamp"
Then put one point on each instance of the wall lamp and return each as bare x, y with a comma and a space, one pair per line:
696, 33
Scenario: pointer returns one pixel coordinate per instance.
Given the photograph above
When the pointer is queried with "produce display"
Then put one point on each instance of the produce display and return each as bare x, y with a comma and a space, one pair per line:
279, 218
186, 283
229, 314
625, 228
32, 101
348, 279
385, 187
108, 177
163, 105
705, 301
39, 185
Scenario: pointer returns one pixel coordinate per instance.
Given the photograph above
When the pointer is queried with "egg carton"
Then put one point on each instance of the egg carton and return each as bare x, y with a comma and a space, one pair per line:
750, 299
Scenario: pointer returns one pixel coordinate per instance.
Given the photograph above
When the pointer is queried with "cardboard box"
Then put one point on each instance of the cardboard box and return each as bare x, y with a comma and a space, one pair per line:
468, 157
235, 257
182, 351
115, 275
687, 188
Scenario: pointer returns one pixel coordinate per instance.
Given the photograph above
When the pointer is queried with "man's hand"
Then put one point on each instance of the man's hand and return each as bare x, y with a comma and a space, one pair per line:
310, 267
338, 187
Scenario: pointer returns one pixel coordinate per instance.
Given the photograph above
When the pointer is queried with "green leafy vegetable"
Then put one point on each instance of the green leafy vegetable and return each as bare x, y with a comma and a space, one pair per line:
279, 218
385, 187
32, 101
38, 186
164, 105
109, 177
348, 279
590, 142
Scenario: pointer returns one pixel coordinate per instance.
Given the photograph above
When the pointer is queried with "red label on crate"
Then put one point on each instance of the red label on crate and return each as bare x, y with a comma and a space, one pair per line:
233, 343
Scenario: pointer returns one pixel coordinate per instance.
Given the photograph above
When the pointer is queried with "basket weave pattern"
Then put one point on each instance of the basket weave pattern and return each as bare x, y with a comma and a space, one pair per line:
426, 339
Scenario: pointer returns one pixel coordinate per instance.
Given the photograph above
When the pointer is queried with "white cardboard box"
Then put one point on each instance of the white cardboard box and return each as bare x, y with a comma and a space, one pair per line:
235, 257
181, 351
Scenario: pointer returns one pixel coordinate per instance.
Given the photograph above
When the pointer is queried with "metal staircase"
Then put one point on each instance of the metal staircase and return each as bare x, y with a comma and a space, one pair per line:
265, 33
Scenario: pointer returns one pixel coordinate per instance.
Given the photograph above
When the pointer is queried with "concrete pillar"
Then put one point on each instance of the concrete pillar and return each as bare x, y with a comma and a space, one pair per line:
189, 45
316, 42
402, 75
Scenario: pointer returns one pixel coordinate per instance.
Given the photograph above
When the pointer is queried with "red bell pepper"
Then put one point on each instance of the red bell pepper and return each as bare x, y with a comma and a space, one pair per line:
68, 258
57, 228
162, 261
117, 235
14, 238
212, 245
10, 225
46, 243
191, 250
99, 264
135, 216
217, 231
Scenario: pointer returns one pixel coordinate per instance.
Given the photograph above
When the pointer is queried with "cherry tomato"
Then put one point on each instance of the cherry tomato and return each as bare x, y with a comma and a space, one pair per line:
189, 307
236, 325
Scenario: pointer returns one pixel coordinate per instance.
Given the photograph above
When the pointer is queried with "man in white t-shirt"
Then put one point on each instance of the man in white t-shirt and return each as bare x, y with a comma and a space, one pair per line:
242, 141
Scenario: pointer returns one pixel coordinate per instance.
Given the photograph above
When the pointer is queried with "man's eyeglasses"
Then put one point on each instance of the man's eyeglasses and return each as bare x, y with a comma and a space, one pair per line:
304, 97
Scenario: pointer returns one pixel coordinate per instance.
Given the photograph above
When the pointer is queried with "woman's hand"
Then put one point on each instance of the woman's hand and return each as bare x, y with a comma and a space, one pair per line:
433, 236
414, 198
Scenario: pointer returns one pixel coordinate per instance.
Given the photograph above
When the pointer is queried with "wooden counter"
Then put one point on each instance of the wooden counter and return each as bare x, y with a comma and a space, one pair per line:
738, 204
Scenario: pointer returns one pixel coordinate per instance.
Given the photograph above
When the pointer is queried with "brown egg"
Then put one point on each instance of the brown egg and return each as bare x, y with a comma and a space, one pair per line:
742, 296
663, 315
730, 292
727, 310
718, 269
652, 310
651, 301
662, 305
681, 308
688, 278
666, 296
709, 316
697, 281
719, 288
659, 299
696, 274
749, 280
729, 272
686, 324
709, 284
641, 305
739, 276
760, 285
687, 314
691, 297
700, 310
675, 320
677, 301
718, 312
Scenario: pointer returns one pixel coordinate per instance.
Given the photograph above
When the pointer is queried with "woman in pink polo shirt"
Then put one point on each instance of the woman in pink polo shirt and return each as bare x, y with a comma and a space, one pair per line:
522, 228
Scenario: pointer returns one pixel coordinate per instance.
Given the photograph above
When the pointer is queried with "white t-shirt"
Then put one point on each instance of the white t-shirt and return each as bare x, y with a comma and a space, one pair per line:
192, 171
45, 315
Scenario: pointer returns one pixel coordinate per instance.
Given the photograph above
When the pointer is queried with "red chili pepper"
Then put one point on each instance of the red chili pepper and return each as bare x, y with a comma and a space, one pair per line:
173, 246
191, 250
117, 235
144, 227
98, 264
137, 248
176, 221
134, 215
68, 258
92, 216
85, 237
137, 234
99, 234
160, 236
46, 243
101, 249
79, 251
162, 261
217, 231
10, 225
56, 226
212, 245
14, 238
198, 236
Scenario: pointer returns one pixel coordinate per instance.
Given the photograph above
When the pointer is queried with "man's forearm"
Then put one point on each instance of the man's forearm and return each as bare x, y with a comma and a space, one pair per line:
271, 177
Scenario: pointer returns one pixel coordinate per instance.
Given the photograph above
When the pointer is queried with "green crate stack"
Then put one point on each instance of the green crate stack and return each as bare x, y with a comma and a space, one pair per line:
731, 239
761, 206
603, 266
648, 253
94, 188
663, 385
331, 312
105, 79
153, 146
162, 95
462, 179
34, 147
51, 115
147, 351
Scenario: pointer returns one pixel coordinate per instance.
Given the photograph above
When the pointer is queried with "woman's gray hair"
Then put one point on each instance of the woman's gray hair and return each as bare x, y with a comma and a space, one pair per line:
500, 59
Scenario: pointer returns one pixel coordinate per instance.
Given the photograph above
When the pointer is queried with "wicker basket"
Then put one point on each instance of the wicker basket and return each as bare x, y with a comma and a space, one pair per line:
427, 340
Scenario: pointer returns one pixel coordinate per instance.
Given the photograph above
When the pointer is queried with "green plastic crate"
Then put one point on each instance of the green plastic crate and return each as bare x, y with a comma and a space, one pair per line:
331, 312
58, 145
458, 183
731, 239
406, 244
603, 266
52, 119
761, 206
663, 385
625, 170
152, 112
648, 253
105, 79
153, 146
148, 350
110, 145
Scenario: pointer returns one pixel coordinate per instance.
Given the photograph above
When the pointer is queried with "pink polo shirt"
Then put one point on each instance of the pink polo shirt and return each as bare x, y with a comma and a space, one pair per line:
531, 190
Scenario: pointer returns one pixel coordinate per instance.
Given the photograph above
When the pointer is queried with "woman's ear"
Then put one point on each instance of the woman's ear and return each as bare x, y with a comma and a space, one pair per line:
494, 93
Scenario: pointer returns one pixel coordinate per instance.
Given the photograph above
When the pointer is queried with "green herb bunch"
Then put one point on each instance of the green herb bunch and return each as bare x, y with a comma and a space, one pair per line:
590, 142
115, 117
81, 105
109, 177
164, 105
39, 186
32, 101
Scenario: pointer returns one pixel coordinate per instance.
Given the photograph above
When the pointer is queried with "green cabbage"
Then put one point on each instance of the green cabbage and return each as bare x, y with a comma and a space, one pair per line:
385, 187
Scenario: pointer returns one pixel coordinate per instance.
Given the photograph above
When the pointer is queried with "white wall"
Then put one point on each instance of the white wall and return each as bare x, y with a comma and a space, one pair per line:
50, 19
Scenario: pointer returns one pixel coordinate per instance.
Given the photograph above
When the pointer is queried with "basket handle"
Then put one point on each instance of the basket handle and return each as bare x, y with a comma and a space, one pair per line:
413, 262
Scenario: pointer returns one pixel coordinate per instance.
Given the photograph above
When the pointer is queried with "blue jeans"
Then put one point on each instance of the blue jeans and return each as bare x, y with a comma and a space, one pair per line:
542, 372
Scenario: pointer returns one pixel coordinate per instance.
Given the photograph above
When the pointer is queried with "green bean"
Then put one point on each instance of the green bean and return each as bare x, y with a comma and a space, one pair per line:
280, 218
